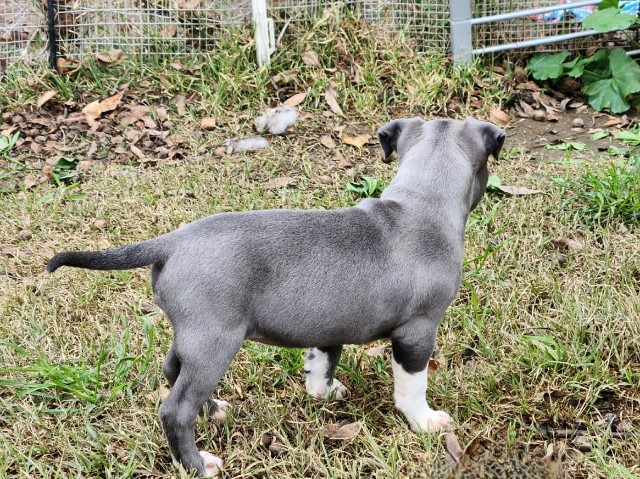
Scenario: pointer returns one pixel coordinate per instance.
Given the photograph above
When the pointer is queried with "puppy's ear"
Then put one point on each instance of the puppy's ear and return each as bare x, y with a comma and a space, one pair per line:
492, 136
389, 134
496, 138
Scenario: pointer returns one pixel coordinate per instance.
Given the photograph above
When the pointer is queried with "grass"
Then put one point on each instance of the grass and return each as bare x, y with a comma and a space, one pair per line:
537, 338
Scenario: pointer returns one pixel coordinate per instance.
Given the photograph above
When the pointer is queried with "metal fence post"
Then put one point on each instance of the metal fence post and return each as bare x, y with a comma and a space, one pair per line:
265, 41
461, 38
51, 29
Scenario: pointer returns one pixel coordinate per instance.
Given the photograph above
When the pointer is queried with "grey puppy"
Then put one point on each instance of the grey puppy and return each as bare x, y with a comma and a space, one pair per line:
386, 268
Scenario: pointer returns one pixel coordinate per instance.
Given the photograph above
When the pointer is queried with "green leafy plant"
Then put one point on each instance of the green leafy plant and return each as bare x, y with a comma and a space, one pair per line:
610, 77
8, 142
609, 17
367, 187
567, 146
493, 182
65, 170
630, 137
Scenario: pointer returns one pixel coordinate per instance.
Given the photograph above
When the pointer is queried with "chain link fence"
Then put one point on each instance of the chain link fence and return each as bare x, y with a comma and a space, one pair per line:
149, 28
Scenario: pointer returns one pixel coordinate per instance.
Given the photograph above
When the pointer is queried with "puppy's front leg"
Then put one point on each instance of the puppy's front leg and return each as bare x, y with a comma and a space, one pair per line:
409, 363
319, 367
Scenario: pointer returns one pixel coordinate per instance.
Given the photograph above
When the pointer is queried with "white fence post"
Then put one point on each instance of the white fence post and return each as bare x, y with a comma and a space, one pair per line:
461, 38
264, 34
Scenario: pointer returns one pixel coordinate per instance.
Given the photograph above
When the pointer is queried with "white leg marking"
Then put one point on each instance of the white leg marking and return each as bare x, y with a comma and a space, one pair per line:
212, 464
222, 409
410, 396
316, 377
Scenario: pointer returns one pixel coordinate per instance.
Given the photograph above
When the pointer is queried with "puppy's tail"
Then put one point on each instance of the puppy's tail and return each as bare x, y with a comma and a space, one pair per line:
126, 257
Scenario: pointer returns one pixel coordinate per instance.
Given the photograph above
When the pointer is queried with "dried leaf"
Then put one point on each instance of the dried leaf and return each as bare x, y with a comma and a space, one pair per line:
161, 113
135, 113
96, 108
567, 243
330, 96
180, 102
375, 350
582, 443
358, 141
208, 123
30, 181
335, 432
280, 182
526, 108
432, 366
624, 425
67, 67
10, 251
531, 86
612, 122
170, 31
325, 179
286, 76
517, 190
45, 97
311, 59
551, 116
453, 447
188, 4
275, 448
296, 99
99, 224
159, 394
114, 56
327, 141
499, 117
137, 151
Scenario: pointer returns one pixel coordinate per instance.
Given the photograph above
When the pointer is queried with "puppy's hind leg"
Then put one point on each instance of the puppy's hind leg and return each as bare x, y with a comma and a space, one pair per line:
216, 408
203, 357
319, 367
409, 363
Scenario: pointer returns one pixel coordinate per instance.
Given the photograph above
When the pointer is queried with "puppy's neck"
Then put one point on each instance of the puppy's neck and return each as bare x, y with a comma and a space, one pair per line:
437, 183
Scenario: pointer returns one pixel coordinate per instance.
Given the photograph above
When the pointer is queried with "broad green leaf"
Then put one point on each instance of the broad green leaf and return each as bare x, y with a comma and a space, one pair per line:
568, 146
598, 135
493, 182
608, 4
607, 94
574, 68
623, 81
545, 65
65, 164
596, 67
625, 72
608, 20
631, 137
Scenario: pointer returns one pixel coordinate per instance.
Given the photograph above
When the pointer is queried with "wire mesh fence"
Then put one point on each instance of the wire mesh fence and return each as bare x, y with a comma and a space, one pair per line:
530, 27
151, 28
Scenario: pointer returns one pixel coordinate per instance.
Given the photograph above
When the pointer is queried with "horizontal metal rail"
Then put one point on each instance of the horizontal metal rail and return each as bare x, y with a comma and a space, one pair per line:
532, 11
534, 42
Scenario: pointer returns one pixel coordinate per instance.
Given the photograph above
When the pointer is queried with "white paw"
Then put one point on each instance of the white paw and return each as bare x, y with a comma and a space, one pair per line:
432, 421
335, 391
222, 408
212, 464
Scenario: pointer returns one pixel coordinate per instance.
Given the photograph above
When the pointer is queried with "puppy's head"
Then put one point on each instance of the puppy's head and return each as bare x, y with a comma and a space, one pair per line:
476, 139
